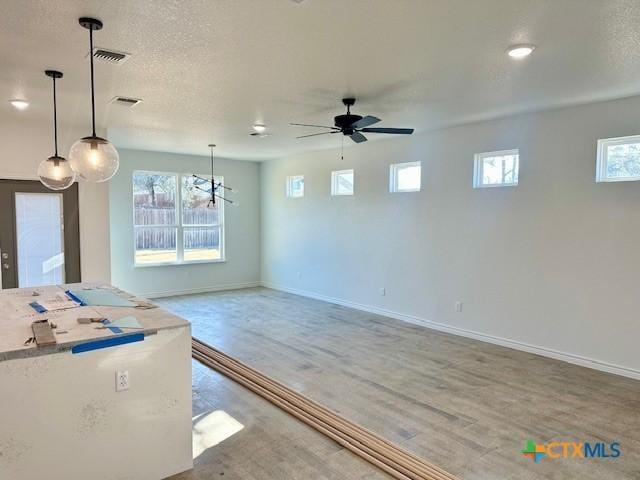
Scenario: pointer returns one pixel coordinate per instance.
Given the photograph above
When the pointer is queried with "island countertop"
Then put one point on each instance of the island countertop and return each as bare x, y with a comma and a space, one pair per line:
16, 317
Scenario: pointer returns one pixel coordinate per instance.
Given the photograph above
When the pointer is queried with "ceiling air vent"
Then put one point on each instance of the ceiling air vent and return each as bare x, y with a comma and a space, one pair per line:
126, 101
111, 56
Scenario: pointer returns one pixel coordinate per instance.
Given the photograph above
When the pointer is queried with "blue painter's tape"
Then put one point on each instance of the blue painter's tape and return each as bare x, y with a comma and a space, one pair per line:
74, 298
114, 329
108, 342
37, 307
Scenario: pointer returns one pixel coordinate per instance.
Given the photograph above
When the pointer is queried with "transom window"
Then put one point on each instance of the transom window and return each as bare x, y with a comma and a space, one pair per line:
405, 177
496, 169
173, 222
618, 159
342, 182
295, 186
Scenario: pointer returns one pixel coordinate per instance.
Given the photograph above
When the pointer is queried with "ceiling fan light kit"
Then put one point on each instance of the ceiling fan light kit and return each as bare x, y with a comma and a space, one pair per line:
93, 158
353, 126
55, 172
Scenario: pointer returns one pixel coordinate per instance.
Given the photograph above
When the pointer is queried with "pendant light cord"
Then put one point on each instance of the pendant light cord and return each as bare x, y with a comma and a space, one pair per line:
93, 101
212, 163
55, 118
213, 183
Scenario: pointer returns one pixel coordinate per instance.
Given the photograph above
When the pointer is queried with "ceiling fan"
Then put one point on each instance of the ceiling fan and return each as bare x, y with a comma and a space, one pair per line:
354, 126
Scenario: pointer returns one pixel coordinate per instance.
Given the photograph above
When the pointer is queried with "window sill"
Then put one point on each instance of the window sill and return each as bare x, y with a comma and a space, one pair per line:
617, 179
174, 264
496, 185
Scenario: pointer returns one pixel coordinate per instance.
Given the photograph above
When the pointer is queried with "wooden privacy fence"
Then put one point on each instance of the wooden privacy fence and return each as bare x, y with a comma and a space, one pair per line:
167, 216
164, 238
202, 235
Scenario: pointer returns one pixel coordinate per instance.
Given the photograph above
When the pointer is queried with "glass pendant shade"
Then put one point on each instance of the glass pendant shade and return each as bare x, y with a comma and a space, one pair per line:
94, 159
55, 173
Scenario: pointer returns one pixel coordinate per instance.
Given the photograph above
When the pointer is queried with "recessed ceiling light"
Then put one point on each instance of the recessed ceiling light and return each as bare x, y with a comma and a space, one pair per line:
520, 51
19, 104
258, 127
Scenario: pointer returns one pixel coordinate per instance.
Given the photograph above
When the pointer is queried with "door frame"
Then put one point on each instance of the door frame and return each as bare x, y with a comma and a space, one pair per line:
8, 241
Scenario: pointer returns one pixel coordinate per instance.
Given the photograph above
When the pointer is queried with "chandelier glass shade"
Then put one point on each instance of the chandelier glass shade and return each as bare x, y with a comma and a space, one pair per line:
56, 173
94, 159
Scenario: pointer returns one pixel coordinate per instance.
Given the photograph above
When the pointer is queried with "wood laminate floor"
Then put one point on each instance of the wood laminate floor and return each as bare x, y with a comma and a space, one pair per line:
462, 404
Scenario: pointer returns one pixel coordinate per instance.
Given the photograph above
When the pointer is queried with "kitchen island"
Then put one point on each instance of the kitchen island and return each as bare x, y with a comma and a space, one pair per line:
63, 415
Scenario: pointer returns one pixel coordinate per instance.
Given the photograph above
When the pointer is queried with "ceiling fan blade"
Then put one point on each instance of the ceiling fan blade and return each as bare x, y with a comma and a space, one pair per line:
398, 131
365, 121
358, 137
316, 134
317, 126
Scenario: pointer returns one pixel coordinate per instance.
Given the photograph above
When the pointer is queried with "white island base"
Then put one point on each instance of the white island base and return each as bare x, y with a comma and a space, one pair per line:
61, 417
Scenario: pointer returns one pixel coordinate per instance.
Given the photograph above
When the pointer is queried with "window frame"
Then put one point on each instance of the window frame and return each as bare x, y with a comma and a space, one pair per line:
393, 177
335, 176
602, 158
289, 190
179, 226
478, 164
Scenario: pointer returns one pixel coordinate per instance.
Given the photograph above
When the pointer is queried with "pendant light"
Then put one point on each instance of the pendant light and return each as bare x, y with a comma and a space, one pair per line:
217, 188
55, 172
93, 158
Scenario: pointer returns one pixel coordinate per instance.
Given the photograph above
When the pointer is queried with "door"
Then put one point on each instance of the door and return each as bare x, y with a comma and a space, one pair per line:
39, 234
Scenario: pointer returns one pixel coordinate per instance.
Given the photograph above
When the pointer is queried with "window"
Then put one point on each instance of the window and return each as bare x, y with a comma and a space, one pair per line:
618, 159
496, 169
201, 223
175, 225
342, 182
405, 177
295, 186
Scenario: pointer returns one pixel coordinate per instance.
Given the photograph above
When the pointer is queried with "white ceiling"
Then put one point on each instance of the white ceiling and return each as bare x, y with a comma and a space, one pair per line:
207, 70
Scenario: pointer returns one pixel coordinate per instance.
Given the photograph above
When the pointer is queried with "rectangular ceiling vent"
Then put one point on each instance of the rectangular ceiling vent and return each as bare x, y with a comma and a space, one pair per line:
110, 56
126, 101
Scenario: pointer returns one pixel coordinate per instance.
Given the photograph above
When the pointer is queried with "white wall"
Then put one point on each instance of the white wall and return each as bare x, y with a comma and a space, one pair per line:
553, 263
242, 228
24, 143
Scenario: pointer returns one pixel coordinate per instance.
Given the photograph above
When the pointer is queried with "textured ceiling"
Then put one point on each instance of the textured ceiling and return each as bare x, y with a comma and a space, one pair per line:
207, 70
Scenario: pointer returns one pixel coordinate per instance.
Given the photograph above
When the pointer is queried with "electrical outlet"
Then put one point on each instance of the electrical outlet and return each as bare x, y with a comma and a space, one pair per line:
122, 381
299, 274
383, 291
458, 307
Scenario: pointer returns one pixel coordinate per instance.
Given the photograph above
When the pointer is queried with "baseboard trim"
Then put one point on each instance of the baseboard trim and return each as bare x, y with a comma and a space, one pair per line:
192, 291
483, 337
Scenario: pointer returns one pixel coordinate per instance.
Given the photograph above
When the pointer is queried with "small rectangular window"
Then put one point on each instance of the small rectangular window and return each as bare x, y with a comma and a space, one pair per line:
496, 169
295, 186
405, 177
342, 182
618, 159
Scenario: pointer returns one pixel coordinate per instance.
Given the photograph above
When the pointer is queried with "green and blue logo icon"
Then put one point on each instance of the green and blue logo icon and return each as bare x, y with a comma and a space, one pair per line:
579, 450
